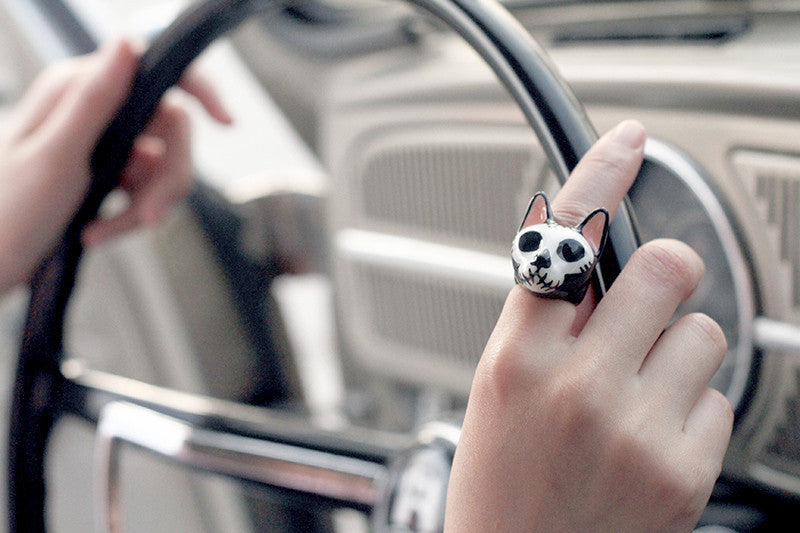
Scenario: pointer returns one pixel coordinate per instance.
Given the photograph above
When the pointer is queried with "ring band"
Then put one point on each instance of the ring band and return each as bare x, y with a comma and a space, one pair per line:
555, 261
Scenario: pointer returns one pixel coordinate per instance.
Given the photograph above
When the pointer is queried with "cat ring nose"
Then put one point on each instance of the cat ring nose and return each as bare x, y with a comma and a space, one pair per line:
542, 260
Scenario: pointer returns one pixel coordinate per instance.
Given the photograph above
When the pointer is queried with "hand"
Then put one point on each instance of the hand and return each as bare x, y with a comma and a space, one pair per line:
46, 148
585, 418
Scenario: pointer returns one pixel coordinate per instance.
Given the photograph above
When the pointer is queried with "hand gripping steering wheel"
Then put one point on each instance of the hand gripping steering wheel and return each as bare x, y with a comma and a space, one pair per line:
344, 468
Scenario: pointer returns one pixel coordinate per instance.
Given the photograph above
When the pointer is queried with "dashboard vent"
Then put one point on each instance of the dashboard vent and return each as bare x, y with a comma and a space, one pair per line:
783, 450
437, 189
774, 181
451, 321
691, 29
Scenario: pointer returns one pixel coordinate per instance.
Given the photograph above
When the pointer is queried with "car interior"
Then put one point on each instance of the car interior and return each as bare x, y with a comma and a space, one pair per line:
308, 281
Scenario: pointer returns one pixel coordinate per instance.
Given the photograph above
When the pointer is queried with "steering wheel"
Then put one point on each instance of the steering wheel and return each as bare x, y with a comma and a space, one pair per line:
349, 469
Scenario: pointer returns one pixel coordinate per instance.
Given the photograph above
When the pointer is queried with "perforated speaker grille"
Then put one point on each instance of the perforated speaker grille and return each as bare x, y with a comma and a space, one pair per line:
457, 190
774, 181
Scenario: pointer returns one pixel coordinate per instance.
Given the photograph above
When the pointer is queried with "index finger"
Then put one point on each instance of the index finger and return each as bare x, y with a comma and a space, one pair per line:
603, 176
601, 179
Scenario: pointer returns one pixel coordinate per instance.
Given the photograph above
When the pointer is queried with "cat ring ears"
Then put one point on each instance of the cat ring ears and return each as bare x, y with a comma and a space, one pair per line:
42, 394
556, 261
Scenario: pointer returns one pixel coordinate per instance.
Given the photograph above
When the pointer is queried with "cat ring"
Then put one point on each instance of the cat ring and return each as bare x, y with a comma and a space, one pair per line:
555, 261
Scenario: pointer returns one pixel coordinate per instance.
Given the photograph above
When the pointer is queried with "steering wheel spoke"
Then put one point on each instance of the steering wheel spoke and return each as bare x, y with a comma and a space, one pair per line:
346, 468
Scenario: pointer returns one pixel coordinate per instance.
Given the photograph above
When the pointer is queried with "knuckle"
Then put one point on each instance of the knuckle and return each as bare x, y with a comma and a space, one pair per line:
670, 264
608, 162
572, 392
96, 83
570, 401
630, 445
172, 119
171, 108
575, 405
571, 212
510, 363
95, 89
178, 115
499, 374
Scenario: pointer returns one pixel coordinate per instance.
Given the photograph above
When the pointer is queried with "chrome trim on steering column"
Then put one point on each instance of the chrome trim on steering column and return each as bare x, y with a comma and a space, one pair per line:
279, 465
415, 493
770, 334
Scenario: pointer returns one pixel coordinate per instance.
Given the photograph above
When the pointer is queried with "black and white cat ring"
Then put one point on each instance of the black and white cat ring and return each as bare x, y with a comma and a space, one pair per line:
555, 261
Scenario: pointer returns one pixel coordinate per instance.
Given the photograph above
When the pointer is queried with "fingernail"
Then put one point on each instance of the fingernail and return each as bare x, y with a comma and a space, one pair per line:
629, 133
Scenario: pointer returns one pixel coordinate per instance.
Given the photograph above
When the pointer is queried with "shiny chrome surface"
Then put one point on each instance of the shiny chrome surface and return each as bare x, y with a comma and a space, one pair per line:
284, 466
417, 256
416, 488
769, 334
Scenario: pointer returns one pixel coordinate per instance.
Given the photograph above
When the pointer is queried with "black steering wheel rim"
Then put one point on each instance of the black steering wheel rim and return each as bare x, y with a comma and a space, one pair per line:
519, 63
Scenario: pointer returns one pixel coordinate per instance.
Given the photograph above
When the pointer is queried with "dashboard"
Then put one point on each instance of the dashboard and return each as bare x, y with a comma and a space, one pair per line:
429, 158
